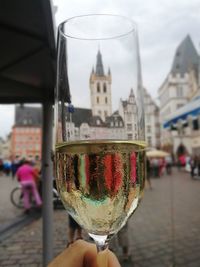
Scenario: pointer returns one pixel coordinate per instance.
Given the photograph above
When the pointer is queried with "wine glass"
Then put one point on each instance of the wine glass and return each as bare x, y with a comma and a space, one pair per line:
100, 145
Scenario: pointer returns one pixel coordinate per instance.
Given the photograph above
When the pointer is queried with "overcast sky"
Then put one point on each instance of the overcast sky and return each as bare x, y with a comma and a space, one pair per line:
162, 25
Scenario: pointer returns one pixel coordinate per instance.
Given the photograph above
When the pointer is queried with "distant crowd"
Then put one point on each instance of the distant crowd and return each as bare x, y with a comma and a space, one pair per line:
9, 167
156, 167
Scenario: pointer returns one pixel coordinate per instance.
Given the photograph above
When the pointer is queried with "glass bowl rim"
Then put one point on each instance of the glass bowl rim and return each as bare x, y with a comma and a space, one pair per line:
132, 30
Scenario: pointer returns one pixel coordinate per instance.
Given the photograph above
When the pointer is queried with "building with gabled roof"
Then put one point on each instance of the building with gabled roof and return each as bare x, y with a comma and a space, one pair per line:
181, 86
27, 132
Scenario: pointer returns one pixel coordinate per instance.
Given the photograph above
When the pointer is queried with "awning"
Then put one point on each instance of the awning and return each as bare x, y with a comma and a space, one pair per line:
192, 109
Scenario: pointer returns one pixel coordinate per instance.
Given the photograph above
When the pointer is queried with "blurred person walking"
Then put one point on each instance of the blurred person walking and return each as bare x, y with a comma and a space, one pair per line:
26, 176
148, 164
168, 161
14, 166
1, 167
121, 240
193, 166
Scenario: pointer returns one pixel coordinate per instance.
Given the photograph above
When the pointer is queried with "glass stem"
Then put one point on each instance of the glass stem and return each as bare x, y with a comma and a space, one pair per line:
101, 241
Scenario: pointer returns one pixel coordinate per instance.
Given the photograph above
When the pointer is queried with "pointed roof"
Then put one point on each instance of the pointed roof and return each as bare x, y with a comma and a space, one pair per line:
132, 93
99, 65
28, 116
185, 57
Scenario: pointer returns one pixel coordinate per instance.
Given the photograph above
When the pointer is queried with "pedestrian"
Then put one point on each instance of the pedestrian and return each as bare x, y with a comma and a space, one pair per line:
1, 166
168, 161
74, 231
7, 167
84, 254
198, 166
26, 176
121, 239
148, 165
193, 165
14, 166
155, 167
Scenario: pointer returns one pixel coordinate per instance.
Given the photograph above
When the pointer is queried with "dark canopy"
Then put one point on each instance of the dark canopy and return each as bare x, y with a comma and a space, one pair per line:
27, 51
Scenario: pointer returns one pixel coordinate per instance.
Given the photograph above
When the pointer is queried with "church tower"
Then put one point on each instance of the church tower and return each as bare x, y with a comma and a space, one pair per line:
100, 90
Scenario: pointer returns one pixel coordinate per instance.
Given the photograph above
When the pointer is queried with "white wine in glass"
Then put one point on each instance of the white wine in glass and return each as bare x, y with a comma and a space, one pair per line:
100, 169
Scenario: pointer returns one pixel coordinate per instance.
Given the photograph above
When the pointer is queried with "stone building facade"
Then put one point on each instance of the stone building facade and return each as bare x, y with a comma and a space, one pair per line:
181, 86
100, 122
27, 132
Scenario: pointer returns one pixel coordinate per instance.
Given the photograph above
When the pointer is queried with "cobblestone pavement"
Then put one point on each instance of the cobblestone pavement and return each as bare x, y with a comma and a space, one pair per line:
7, 184
164, 231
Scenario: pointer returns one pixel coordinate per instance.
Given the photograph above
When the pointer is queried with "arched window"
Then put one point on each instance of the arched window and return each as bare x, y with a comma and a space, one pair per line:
98, 88
106, 100
97, 100
104, 88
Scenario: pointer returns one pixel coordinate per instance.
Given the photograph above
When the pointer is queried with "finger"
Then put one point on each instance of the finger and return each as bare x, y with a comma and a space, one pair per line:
102, 259
73, 256
112, 260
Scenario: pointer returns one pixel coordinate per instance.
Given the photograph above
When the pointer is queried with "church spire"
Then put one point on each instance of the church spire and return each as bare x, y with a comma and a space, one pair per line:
99, 65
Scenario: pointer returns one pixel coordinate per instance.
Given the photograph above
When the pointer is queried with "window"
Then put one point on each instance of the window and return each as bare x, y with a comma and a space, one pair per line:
130, 136
105, 113
148, 129
97, 100
98, 122
104, 88
179, 91
148, 117
98, 88
128, 116
149, 141
99, 112
179, 106
129, 127
106, 100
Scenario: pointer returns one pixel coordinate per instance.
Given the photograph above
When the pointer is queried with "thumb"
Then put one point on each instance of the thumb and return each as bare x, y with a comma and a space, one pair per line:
102, 258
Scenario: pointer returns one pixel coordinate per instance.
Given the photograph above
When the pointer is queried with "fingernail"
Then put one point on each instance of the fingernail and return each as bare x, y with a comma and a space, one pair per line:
102, 258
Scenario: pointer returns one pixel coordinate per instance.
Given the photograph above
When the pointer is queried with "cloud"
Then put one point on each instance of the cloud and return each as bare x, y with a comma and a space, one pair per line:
6, 119
162, 26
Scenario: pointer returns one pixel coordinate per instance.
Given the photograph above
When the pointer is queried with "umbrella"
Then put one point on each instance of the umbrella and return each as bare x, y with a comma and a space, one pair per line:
157, 154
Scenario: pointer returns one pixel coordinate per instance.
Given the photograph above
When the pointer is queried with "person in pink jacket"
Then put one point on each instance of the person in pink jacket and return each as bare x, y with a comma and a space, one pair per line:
26, 176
